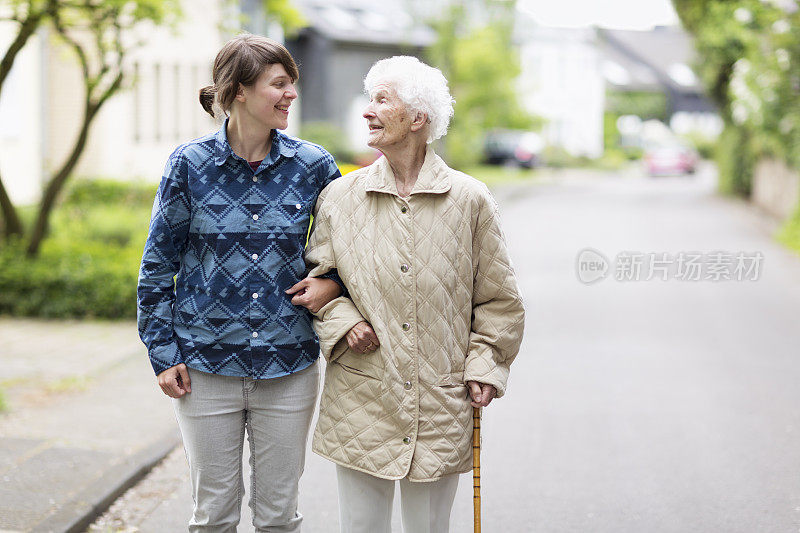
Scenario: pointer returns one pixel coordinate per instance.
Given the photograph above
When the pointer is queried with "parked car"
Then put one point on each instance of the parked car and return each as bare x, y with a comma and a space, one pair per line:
670, 159
512, 147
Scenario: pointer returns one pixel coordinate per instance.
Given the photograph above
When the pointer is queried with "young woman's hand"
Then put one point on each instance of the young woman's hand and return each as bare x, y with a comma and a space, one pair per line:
314, 293
362, 338
175, 381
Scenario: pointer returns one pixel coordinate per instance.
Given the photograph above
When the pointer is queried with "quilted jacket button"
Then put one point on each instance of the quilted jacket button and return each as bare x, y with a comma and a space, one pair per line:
406, 326
403, 209
403, 268
407, 440
407, 385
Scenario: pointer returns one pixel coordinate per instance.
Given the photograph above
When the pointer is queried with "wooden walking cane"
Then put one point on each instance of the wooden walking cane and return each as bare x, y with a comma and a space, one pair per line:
476, 467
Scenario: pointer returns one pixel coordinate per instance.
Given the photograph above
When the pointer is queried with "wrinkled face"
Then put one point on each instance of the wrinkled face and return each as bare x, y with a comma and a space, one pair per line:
269, 98
388, 118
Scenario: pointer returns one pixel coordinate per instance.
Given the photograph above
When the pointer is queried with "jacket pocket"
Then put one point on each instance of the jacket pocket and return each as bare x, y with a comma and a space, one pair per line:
452, 379
369, 365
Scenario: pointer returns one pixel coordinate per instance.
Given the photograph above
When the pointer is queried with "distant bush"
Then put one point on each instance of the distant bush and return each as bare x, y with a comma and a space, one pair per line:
93, 192
705, 146
789, 234
735, 161
330, 137
558, 157
69, 280
88, 265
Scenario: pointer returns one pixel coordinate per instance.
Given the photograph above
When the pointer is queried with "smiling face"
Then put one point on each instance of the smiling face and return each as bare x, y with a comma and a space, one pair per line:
267, 101
388, 118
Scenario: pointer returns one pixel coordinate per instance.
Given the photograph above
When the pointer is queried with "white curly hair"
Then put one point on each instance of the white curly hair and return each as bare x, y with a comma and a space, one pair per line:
421, 87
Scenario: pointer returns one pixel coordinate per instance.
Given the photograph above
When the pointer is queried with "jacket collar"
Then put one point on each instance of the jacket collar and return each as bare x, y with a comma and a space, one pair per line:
433, 176
282, 145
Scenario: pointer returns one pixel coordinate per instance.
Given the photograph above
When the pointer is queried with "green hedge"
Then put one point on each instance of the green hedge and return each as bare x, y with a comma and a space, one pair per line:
79, 280
88, 265
735, 161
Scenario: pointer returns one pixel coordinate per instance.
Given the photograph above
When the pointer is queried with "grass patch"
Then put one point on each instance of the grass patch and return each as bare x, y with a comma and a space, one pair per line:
496, 174
68, 384
789, 234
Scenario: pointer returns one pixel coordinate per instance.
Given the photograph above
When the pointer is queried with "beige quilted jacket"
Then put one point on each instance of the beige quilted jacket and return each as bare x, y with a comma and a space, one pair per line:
431, 274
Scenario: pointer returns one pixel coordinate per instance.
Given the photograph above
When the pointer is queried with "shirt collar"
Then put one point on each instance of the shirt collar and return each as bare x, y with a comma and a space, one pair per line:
282, 144
433, 176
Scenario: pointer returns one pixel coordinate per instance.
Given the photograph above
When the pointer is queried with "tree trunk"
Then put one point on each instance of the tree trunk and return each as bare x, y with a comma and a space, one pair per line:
11, 222
55, 185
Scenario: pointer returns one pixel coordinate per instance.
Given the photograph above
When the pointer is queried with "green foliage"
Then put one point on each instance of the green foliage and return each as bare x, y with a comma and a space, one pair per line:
493, 175
481, 65
80, 279
749, 59
735, 161
88, 266
90, 192
559, 157
644, 104
328, 136
790, 233
290, 19
705, 146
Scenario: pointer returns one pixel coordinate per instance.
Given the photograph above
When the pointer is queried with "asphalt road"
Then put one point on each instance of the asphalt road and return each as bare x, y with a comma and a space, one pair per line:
634, 406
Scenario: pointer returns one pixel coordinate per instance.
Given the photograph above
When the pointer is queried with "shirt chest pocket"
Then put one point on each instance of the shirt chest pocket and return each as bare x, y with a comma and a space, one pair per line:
290, 212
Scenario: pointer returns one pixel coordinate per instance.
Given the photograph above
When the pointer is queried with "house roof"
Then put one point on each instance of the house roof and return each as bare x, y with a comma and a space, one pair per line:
363, 21
666, 52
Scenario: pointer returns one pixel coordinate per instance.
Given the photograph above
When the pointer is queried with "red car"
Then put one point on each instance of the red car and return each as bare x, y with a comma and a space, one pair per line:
670, 159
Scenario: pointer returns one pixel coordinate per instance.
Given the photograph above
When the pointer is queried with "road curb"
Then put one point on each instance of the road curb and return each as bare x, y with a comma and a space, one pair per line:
79, 513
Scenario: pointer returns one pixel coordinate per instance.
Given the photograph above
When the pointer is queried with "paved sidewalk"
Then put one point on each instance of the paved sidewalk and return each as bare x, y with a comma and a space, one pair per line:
84, 420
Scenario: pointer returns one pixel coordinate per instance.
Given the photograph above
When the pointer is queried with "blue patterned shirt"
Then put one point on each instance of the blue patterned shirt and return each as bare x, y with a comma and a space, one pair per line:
232, 239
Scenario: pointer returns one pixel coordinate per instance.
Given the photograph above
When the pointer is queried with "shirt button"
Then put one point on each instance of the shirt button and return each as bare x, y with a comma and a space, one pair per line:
255, 217
255, 178
406, 440
254, 256
255, 295
403, 268
298, 206
406, 326
255, 334
403, 209
407, 385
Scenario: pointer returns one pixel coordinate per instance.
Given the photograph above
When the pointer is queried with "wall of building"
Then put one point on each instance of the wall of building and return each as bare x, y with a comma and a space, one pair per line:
21, 120
561, 82
776, 188
136, 130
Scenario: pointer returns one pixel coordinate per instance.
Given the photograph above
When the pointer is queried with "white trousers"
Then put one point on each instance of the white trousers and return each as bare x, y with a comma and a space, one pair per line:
365, 503
276, 415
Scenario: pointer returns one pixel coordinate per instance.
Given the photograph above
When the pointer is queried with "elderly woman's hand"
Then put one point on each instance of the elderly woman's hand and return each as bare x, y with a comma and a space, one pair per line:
481, 394
362, 339
314, 293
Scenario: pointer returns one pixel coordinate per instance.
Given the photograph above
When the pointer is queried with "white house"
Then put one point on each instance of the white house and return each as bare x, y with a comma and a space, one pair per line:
135, 131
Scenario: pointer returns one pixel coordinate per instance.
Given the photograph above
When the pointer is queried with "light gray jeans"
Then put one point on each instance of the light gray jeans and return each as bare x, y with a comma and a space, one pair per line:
276, 414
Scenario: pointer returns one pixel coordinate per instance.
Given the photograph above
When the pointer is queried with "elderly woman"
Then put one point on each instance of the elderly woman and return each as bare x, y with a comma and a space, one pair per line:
433, 317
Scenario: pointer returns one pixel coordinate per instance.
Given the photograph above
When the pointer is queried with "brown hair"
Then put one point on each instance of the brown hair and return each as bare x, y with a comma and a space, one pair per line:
240, 62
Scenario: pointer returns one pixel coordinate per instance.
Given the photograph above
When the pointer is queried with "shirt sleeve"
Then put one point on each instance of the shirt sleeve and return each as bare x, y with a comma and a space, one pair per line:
498, 316
161, 261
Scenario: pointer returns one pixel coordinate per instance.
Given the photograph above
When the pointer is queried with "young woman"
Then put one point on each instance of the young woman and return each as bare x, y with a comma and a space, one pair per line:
226, 241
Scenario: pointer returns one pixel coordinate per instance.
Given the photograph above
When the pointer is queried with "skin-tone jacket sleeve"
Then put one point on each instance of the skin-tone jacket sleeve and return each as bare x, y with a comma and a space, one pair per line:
337, 317
498, 317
